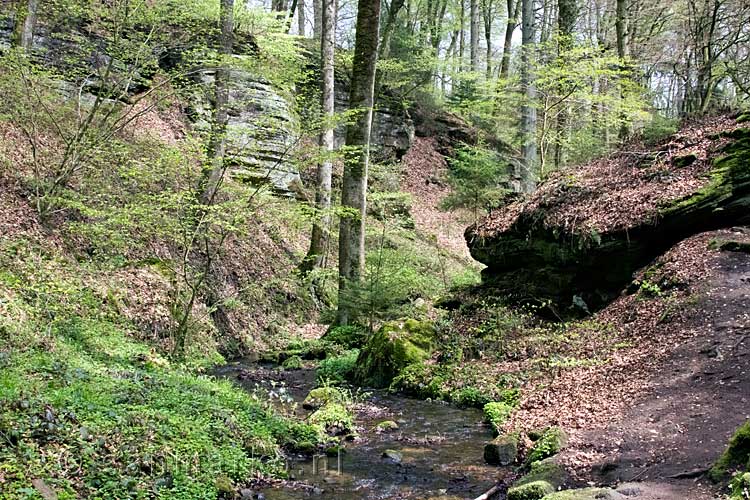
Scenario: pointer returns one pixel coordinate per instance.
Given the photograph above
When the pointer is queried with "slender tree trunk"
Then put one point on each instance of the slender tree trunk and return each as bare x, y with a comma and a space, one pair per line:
322, 225
385, 38
474, 34
317, 19
513, 7
487, 16
462, 37
354, 182
567, 15
620, 13
528, 110
217, 140
301, 17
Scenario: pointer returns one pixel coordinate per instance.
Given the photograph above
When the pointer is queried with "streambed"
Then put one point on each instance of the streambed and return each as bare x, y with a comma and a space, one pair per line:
439, 447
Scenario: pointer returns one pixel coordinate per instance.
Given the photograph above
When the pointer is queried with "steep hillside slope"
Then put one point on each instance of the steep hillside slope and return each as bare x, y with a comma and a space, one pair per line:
586, 230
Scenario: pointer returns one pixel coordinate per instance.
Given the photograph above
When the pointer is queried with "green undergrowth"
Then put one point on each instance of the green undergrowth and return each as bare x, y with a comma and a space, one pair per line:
94, 413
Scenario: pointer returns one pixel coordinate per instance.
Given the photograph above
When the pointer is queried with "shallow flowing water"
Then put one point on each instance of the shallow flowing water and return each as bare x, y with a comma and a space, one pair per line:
440, 447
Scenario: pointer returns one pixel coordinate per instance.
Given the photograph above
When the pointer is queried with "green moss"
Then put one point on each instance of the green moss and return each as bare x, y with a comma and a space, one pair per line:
420, 380
338, 369
335, 418
739, 486
535, 490
583, 494
550, 443
292, 363
350, 336
736, 455
395, 346
322, 396
496, 414
386, 426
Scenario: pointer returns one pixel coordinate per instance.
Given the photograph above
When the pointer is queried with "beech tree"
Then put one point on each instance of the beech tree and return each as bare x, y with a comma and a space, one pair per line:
321, 225
357, 156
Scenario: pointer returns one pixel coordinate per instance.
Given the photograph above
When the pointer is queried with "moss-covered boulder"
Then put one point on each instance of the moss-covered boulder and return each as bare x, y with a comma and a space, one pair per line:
392, 348
292, 363
544, 477
737, 454
386, 426
335, 418
322, 396
550, 443
503, 450
586, 494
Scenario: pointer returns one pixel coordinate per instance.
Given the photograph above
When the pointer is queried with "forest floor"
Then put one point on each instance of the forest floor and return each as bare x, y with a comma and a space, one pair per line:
691, 400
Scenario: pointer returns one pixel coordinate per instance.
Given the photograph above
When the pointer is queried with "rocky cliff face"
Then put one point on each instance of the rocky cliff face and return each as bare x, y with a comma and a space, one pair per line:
578, 239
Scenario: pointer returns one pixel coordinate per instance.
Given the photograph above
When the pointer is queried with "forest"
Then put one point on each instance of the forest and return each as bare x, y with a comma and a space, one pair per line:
375, 249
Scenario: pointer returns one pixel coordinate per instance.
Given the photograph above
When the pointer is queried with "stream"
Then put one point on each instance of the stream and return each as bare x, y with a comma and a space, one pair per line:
440, 446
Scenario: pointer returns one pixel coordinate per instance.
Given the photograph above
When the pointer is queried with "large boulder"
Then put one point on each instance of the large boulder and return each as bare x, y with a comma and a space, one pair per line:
578, 239
395, 346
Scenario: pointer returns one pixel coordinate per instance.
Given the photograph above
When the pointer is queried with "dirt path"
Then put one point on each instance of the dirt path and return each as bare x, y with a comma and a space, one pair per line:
700, 395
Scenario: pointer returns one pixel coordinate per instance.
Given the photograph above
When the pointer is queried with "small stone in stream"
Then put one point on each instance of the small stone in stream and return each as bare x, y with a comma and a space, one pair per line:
629, 490
317, 491
246, 494
386, 426
392, 456
503, 450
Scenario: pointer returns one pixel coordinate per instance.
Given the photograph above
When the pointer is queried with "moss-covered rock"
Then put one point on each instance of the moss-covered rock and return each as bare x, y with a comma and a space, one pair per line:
292, 363
495, 414
386, 426
586, 494
551, 442
322, 396
534, 490
544, 477
737, 454
395, 346
335, 418
503, 450
535, 257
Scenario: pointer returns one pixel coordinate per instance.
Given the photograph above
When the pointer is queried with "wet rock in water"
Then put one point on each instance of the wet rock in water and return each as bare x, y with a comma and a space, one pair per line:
333, 451
395, 346
551, 442
392, 456
586, 494
503, 450
544, 478
246, 494
386, 426
335, 418
321, 396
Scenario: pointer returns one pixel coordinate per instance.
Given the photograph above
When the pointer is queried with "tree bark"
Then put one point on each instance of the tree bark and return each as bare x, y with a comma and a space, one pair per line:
217, 140
487, 16
354, 183
620, 13
322, 225
474, 34
513, 7
301, 17
25, 22
317, 19
528, 110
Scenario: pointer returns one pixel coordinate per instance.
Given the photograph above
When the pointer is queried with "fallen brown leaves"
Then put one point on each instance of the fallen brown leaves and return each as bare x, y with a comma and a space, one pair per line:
423, 176
623, 189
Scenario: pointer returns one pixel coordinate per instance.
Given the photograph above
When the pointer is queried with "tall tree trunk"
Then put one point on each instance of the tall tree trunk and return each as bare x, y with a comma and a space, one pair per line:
513, 7
301, 17
217, 140
462, 37
528, 110
25, 22
322, 225
474, 33
620, 13
317, 19
487, 16
385, 38
354, 182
